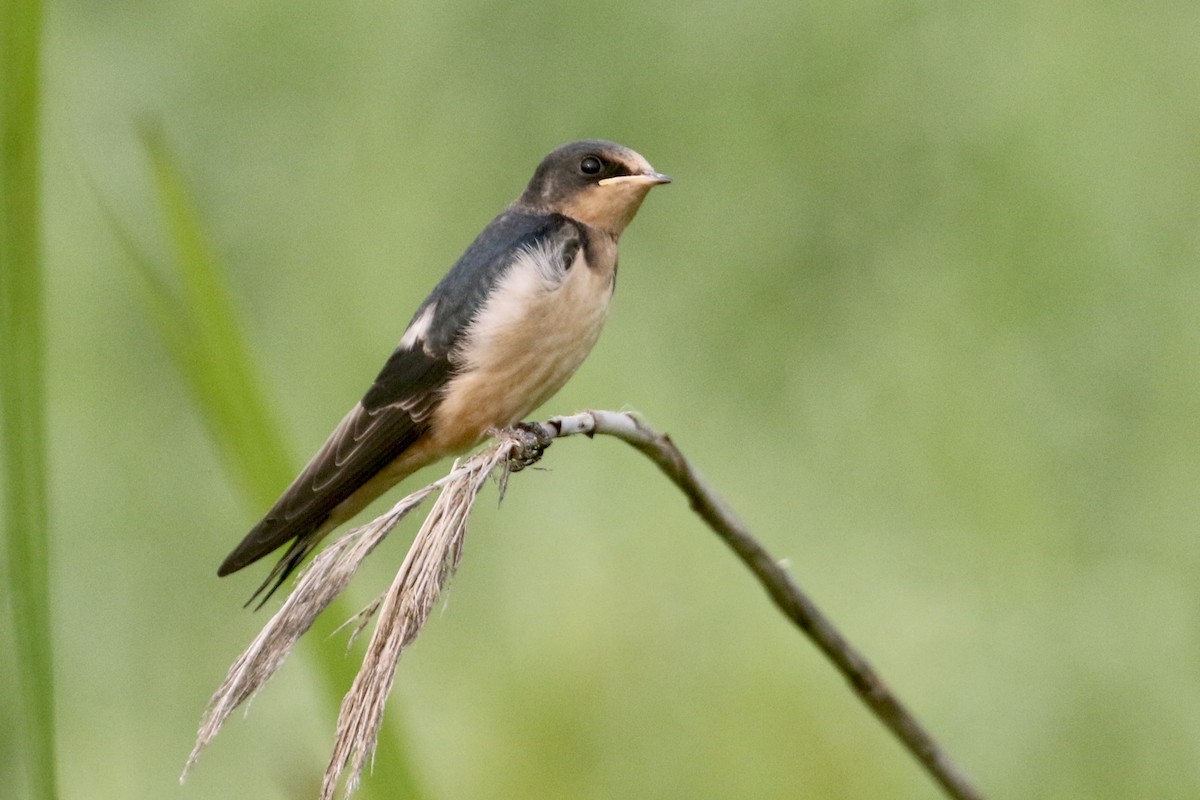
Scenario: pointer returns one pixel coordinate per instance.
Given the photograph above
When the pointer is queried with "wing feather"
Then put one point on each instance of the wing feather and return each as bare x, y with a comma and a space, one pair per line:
364, 442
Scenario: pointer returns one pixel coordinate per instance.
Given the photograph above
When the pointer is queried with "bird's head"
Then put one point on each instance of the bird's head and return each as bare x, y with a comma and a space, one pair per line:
596, 182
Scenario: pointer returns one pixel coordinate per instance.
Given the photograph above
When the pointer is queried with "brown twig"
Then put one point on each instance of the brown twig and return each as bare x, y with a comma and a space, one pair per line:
790, 599
434, 554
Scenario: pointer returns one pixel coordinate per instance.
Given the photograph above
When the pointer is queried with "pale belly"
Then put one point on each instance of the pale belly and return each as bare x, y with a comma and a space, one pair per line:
525, 346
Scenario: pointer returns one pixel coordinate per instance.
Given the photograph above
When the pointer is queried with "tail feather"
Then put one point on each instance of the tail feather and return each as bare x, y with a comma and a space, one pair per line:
270, 534
283, 568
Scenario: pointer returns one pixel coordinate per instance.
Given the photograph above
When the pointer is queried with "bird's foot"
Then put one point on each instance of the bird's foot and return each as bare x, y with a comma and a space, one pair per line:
534, 439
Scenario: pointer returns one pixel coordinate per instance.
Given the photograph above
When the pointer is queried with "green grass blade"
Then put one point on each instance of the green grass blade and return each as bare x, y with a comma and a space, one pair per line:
22, 402
198, 324
206, 340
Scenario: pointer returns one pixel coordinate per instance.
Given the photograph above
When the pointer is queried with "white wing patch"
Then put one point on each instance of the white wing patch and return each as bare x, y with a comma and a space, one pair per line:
418, 329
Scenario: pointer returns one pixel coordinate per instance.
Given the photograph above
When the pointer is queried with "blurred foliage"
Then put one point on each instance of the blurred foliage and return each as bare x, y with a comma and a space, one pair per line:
25, 591
198, 324
920, 304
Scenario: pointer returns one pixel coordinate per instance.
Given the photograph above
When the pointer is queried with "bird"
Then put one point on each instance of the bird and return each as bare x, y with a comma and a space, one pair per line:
505, 328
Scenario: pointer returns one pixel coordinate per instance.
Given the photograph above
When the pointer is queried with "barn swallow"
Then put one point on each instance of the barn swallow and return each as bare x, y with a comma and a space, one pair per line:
502, 332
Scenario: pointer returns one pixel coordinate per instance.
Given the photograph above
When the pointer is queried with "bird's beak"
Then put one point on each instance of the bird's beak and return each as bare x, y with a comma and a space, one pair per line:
645, 178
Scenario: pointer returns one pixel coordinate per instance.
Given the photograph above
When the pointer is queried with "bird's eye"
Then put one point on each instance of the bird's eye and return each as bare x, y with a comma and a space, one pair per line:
590, 165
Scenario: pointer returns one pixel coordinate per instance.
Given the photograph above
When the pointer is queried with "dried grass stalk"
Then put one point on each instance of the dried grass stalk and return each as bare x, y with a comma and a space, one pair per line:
432, 559
322, 581
434, 555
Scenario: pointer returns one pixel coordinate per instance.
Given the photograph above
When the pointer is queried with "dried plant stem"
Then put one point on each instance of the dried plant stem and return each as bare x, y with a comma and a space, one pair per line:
435, 553
403, 610
324, 579
789, 598
431, 560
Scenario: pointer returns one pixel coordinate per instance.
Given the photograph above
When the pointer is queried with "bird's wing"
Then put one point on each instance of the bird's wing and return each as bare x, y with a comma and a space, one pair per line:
395, 411
364, 442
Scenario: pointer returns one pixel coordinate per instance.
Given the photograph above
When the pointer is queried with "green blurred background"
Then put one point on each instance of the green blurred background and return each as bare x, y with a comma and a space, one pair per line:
922, 303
